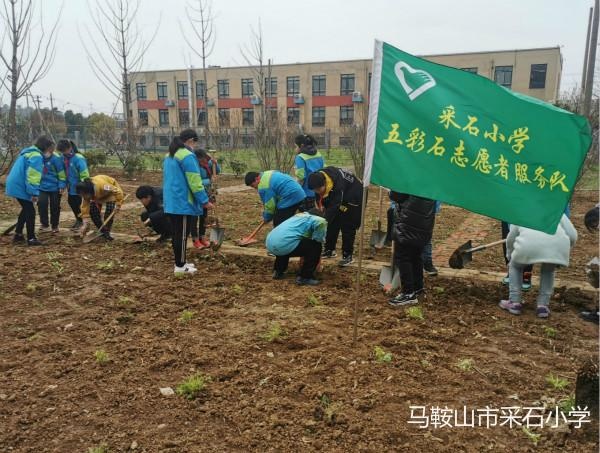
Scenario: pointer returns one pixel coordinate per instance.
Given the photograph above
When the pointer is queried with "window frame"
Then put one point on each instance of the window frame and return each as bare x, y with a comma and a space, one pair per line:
247, 85
159, 87
179, 114
348, 120
182, 89
247, 122
320, 79
534, 82
223, 88
503, 70
142, 86
346, 91
295, 91
162, 112
200, 93
143, 117
318, 124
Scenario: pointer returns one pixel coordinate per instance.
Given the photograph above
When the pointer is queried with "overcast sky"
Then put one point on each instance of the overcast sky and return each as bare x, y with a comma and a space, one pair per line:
317, 30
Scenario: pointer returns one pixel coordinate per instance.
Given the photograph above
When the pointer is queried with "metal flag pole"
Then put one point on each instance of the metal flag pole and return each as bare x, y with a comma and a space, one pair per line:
360, 258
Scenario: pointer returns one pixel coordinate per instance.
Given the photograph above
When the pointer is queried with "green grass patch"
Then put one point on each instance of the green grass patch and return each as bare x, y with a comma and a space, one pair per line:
192, 386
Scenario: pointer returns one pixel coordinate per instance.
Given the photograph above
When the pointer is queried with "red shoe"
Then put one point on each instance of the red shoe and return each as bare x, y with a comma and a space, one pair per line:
204, 242
197, 243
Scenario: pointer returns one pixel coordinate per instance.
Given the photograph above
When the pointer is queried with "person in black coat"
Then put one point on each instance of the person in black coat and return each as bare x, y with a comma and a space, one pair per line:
340, 195
154, 215
413, 228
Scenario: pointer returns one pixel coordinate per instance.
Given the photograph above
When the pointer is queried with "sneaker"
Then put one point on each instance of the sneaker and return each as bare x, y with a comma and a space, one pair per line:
185, 269
307, 281
199, 244
163, 238
526, 286
55, 230
44, 229
76, 225
506, 280
403, 299
591, 316
542, 311
278, 275
106, 235
270, 254
329, 254
513, 308
345, 261
191, 265
430, 269
17, 238
33, 242
204, 242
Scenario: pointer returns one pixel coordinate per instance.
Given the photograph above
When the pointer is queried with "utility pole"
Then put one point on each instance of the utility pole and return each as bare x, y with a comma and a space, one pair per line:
587, 53
51, 109
39, 110
591, 65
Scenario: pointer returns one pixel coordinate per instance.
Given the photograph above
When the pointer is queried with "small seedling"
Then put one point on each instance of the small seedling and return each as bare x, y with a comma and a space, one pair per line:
567, 405
237, 289
31, 287
425, 363
52, 256
415, 313
99, 449
105, 265
192, 386
533, 437
465, 364
314, 301
274, 333
381, 355
35, 336
101, 356
124, 300
550, 332
438, 290
186, 316
557, 383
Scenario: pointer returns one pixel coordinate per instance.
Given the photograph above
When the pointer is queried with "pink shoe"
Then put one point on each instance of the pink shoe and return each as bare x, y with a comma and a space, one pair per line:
513, 308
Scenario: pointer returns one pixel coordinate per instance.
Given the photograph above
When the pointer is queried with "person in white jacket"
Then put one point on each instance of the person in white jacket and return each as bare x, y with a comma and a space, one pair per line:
526, 246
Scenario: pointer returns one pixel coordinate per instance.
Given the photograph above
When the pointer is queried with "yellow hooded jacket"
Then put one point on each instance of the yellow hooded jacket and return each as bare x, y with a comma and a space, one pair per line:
105, 189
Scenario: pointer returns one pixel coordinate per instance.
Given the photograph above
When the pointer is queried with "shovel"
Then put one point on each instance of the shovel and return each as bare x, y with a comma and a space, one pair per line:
377, 236
250, 238
389, 277
90, 237
9, 230
216, 234
463, 255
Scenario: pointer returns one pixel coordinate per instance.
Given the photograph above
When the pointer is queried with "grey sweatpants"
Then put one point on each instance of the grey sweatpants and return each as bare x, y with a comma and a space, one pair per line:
515, 273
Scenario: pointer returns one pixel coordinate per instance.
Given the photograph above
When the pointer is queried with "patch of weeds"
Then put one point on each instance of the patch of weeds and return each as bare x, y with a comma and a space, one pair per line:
57, 266
186, 316
327, 410
314, 301
425, 363
68, 240
99, 449
53, 255
180, 275
438, 290
533, 437
35, 336
567, 405
415, 313
274, 333
31, 287
557, 383
124, 300
105, 265
192, 386
381, 355
237, 289
465, 364
101, 356
549, 332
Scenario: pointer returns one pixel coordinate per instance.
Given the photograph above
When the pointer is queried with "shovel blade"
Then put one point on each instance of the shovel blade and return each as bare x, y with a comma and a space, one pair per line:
246, 241
389, 278
216, 237
377, 239
461, 256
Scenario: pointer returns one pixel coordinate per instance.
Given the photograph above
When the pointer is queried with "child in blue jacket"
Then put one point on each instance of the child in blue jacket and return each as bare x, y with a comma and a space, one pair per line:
76, 170
307, 161
183, 194
280, 194
52, 185
198, 230
23, 183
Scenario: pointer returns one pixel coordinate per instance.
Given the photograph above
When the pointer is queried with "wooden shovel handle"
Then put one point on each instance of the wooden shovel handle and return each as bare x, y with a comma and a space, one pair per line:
255, 232
485, 246
111, 215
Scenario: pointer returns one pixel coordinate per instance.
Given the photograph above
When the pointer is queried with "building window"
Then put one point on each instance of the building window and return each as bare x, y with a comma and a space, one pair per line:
224, 116
537, 78
247, 88
346, 115
503, 76
318, 85
140, 91
201, 117
161, 90
200, 89
182, 90
164, 140
247, 117
293, 86
346, 142
163, 117
184, 117
346, 84
223, 88
318, 116
271, 87
293, 116
143, 117
272, 115
472, 70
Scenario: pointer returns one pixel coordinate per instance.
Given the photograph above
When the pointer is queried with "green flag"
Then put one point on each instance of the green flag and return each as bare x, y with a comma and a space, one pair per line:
449, 135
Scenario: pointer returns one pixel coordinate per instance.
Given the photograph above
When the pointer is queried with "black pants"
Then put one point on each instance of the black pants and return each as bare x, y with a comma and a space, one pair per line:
347, 222
409, 261
181, 225
75, 204
198, 225
159, 222
309, 250
26, 218
505, 230
282, 214
390, 224
52, 198
96, 215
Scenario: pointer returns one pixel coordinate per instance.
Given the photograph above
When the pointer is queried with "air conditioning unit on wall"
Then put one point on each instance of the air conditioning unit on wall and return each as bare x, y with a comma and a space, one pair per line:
170, 103
357, 96
299, 99
255, 100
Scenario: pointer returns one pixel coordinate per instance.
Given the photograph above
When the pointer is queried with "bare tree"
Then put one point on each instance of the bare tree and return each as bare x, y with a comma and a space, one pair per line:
27, 53
124, 48
201, 20
354, 135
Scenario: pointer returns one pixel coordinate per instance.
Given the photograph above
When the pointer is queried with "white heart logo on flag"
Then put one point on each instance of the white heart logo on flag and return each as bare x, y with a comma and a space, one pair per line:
423, 80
